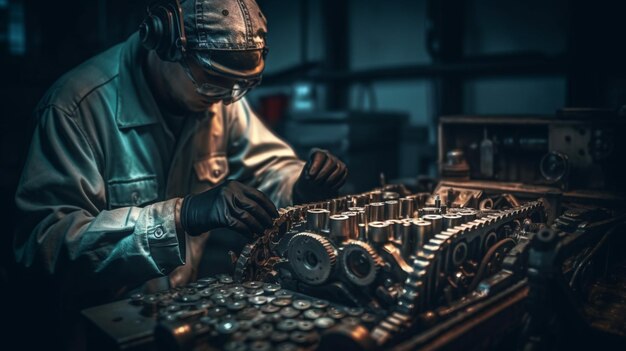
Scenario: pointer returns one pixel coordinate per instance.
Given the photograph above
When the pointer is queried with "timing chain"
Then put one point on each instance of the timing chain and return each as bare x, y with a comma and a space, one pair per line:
436, 257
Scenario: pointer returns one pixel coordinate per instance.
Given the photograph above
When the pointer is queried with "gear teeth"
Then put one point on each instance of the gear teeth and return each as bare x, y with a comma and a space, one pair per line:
330, 249
370, 250
418, 286
306, 243
415, 292
377, 262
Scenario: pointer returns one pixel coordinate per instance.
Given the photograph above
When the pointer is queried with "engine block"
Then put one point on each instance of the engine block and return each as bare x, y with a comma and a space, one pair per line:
383, 269
386, 253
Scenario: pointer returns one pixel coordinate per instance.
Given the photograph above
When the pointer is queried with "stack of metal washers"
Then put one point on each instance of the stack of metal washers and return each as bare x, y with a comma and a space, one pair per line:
248, 316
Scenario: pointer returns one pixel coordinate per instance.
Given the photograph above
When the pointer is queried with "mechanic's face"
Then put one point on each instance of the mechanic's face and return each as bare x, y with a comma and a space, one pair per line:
183, 90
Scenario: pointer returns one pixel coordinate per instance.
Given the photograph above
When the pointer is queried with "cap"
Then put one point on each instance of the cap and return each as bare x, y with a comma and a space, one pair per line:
216, 30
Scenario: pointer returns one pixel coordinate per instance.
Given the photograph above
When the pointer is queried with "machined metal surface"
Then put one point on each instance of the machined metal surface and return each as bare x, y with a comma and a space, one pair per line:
340, 228
317, 219
378, 232
312, 257
404, 275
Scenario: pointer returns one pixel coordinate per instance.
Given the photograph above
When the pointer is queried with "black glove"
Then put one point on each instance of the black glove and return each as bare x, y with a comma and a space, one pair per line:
321, 177
229, 205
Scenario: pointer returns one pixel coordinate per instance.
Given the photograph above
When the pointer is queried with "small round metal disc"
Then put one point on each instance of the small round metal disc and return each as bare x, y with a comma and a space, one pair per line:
239, 296
354, 311
228, 326
305, 325
283, 293
301, 305
188, 298
201, 285
237, 305
237, 289
336, 313
252, 285
271, 288
269, 308
224, 291
303, 338
216, 312
255, 292
287, 325
289, 312
324, 322
206, 292
226, 279
313, 314
282, 301
207, 280
248, 313
258, 300
320, 303
221, 301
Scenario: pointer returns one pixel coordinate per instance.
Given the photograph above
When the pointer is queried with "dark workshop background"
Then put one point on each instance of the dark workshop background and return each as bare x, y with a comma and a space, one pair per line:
384, 69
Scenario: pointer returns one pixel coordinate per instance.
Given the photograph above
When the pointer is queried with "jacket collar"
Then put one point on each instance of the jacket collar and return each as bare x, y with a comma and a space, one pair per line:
135, 104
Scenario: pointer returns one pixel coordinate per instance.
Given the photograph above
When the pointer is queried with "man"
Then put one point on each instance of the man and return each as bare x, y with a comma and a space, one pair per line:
142, 150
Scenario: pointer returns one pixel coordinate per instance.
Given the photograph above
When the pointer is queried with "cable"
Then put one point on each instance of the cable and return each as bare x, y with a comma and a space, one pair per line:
483, 264
584, 261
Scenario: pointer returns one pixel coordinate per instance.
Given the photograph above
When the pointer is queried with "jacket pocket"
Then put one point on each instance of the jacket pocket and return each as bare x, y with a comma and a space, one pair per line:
213, 169
133, 192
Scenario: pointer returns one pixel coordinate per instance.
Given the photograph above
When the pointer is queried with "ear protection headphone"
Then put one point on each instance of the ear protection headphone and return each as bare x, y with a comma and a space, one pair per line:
163, 30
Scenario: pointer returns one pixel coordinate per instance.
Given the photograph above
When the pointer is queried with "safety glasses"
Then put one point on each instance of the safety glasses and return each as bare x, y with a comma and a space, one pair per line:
213, 91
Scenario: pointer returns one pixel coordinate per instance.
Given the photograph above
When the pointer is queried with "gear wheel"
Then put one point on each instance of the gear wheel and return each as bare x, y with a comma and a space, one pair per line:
312, 257
359, 262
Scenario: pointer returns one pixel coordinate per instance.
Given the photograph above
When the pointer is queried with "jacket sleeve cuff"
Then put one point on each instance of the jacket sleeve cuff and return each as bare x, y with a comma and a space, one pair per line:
166, 238
180, 232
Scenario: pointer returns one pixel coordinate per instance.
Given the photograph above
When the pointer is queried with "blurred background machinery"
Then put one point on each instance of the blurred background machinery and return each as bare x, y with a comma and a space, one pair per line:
576, 149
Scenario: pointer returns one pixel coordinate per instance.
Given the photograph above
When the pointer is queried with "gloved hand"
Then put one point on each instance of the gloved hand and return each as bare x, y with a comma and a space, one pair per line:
321, 177
229, 205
